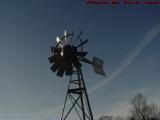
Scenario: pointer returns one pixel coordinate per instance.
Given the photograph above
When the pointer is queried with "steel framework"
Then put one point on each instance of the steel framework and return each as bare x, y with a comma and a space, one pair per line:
77, 98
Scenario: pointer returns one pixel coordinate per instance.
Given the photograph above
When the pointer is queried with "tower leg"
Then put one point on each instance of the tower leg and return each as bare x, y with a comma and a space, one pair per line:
77, 98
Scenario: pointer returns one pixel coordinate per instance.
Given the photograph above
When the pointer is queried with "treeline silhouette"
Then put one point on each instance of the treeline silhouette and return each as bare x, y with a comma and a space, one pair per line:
139, 109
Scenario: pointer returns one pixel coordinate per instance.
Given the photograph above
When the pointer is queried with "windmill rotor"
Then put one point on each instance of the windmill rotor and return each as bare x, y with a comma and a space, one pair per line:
66, 56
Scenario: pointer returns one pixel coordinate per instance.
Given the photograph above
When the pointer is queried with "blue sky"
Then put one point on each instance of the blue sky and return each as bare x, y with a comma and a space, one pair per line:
29, 90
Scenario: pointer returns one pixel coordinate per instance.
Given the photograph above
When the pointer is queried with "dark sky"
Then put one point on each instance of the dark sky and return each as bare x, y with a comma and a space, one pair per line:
126, 37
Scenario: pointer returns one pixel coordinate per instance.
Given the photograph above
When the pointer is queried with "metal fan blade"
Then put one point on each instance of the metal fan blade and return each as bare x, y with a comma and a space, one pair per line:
55, 50
52, 59
59, 42
69, 71
58, 39
60, 71
65, 34
54, 67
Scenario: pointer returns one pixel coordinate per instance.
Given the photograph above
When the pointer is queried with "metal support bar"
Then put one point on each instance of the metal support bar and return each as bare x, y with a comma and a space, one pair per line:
71, 108
78, 97
80, 107
75, 108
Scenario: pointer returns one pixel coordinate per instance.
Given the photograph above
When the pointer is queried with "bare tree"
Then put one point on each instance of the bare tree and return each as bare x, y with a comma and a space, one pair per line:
119, 118
106, 117
140, 110
154, 112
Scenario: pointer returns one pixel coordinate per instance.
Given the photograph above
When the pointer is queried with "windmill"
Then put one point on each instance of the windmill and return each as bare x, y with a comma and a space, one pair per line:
67, 59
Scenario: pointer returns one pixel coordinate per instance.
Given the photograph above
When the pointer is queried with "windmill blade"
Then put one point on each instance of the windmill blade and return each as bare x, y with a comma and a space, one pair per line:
69, 70
59, 42
65, 34
55, 66
55, 50
60, 45
60, 71
58, 39
52, 59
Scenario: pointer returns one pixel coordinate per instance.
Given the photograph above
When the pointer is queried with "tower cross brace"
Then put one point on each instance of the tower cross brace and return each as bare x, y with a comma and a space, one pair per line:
77, 98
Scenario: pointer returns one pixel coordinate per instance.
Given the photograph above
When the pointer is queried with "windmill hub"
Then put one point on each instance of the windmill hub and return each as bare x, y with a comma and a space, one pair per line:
70, 56
69, 51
